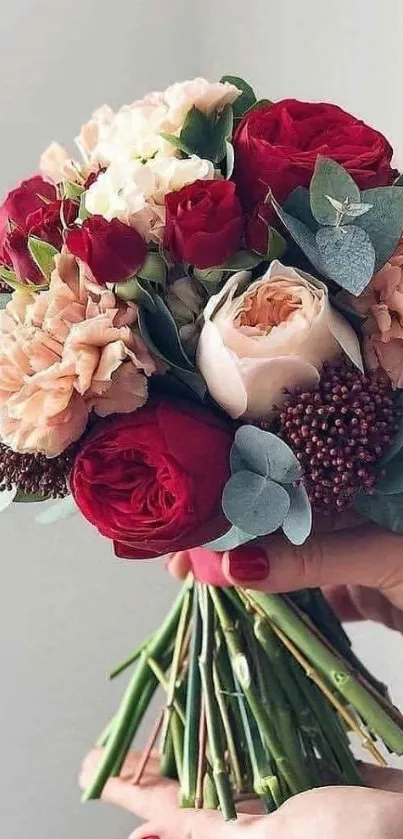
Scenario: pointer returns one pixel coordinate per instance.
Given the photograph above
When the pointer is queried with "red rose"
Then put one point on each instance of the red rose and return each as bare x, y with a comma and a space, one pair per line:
152, 481
203, 223
31, 195
113, 251
276, 148
44, 222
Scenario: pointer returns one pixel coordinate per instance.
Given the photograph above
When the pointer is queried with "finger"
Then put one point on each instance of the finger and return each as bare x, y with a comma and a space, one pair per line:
340, 600
379, 778
204, 824
205, 565
153, 795
362, 556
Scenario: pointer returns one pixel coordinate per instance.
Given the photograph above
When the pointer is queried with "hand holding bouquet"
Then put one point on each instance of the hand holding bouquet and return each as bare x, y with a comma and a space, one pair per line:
200, 345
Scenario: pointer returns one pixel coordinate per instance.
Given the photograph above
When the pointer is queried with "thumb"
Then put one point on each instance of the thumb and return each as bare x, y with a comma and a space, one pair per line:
378, 777
365, 556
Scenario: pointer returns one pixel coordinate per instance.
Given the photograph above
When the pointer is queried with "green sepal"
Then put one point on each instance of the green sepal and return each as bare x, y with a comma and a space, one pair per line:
43, 254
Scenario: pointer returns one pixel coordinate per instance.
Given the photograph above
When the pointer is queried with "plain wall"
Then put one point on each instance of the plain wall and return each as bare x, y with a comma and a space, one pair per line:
68, 609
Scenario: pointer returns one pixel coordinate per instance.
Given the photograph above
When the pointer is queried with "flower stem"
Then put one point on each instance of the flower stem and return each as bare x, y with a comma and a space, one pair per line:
193, 704
214, 733
331, 666
124, 728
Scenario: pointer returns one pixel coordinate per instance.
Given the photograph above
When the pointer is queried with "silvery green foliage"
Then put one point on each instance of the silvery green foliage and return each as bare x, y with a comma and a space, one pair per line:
265, 491
346, 234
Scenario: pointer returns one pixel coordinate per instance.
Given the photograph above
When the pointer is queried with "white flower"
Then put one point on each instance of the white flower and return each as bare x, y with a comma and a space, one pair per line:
134, 192
56, 165
94, 132
121, 191
198, 93
172, 174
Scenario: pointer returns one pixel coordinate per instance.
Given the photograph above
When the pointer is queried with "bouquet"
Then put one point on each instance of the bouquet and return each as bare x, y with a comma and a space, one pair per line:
201, 343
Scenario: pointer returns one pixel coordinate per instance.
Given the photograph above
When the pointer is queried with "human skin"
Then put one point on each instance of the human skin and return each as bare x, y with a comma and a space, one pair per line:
361, 571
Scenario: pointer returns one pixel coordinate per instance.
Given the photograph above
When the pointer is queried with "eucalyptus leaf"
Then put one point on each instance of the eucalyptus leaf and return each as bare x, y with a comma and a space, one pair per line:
159, 331
234, 538
385, 510
265, 454
154, 269
255, 504
7, 497
330, 179
347, 256
4, 299
384, 222
43, 254
297, 524
399, 180
247, 98
302, 236
61, 509
260, 103
298, 205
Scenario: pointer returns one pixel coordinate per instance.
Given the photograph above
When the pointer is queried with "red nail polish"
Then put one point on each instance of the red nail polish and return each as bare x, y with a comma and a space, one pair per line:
248, 564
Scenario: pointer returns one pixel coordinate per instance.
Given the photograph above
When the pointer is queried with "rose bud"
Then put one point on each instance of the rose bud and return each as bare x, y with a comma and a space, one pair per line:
270, 336
276, 148
112, 251
152, 481
32, 194
204, 223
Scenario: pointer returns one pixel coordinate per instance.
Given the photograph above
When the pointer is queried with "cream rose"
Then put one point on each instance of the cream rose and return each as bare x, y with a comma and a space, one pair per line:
273, 334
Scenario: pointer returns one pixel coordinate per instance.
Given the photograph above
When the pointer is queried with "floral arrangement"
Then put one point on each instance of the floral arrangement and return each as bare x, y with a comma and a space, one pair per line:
201, 343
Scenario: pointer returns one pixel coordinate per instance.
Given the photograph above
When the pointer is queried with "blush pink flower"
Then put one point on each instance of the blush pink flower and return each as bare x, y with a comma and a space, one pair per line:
382, 303
64, 353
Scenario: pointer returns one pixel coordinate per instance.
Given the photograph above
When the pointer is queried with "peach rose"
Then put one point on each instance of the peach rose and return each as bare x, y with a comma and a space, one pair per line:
263, 337
383, 303
64, 353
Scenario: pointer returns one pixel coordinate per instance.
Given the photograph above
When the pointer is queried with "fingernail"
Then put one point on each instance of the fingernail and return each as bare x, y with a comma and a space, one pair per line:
248, 564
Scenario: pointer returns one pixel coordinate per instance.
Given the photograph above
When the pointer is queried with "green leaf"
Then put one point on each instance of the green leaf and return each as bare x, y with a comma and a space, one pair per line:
385, 510
175, 141
154, 269
276, 244
347, 256
301, 235
298, 204
384, 222
159, 331
399, 180
205, 135
137, 290
260, 103
72, 190
297, 524
242, 261
29, 498
391, 482
246, 100
255, 504
395, 448
83, 213
330, 179
210, 278
43, 254
4, 299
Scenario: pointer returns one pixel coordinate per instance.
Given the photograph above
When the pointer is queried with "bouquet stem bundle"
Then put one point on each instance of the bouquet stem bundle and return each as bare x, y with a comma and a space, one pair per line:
258, 702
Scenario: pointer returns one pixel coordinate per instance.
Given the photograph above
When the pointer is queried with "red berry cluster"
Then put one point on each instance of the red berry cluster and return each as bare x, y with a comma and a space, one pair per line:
339, 432
35, 474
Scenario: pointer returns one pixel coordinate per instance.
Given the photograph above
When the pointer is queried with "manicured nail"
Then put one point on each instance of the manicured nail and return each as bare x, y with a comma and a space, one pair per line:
248, 564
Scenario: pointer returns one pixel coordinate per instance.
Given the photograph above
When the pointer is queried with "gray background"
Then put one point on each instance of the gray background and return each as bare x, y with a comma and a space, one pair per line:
68, 610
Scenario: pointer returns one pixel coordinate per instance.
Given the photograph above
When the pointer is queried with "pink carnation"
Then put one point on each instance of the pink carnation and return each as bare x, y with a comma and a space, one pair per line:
383, 303
64, 353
